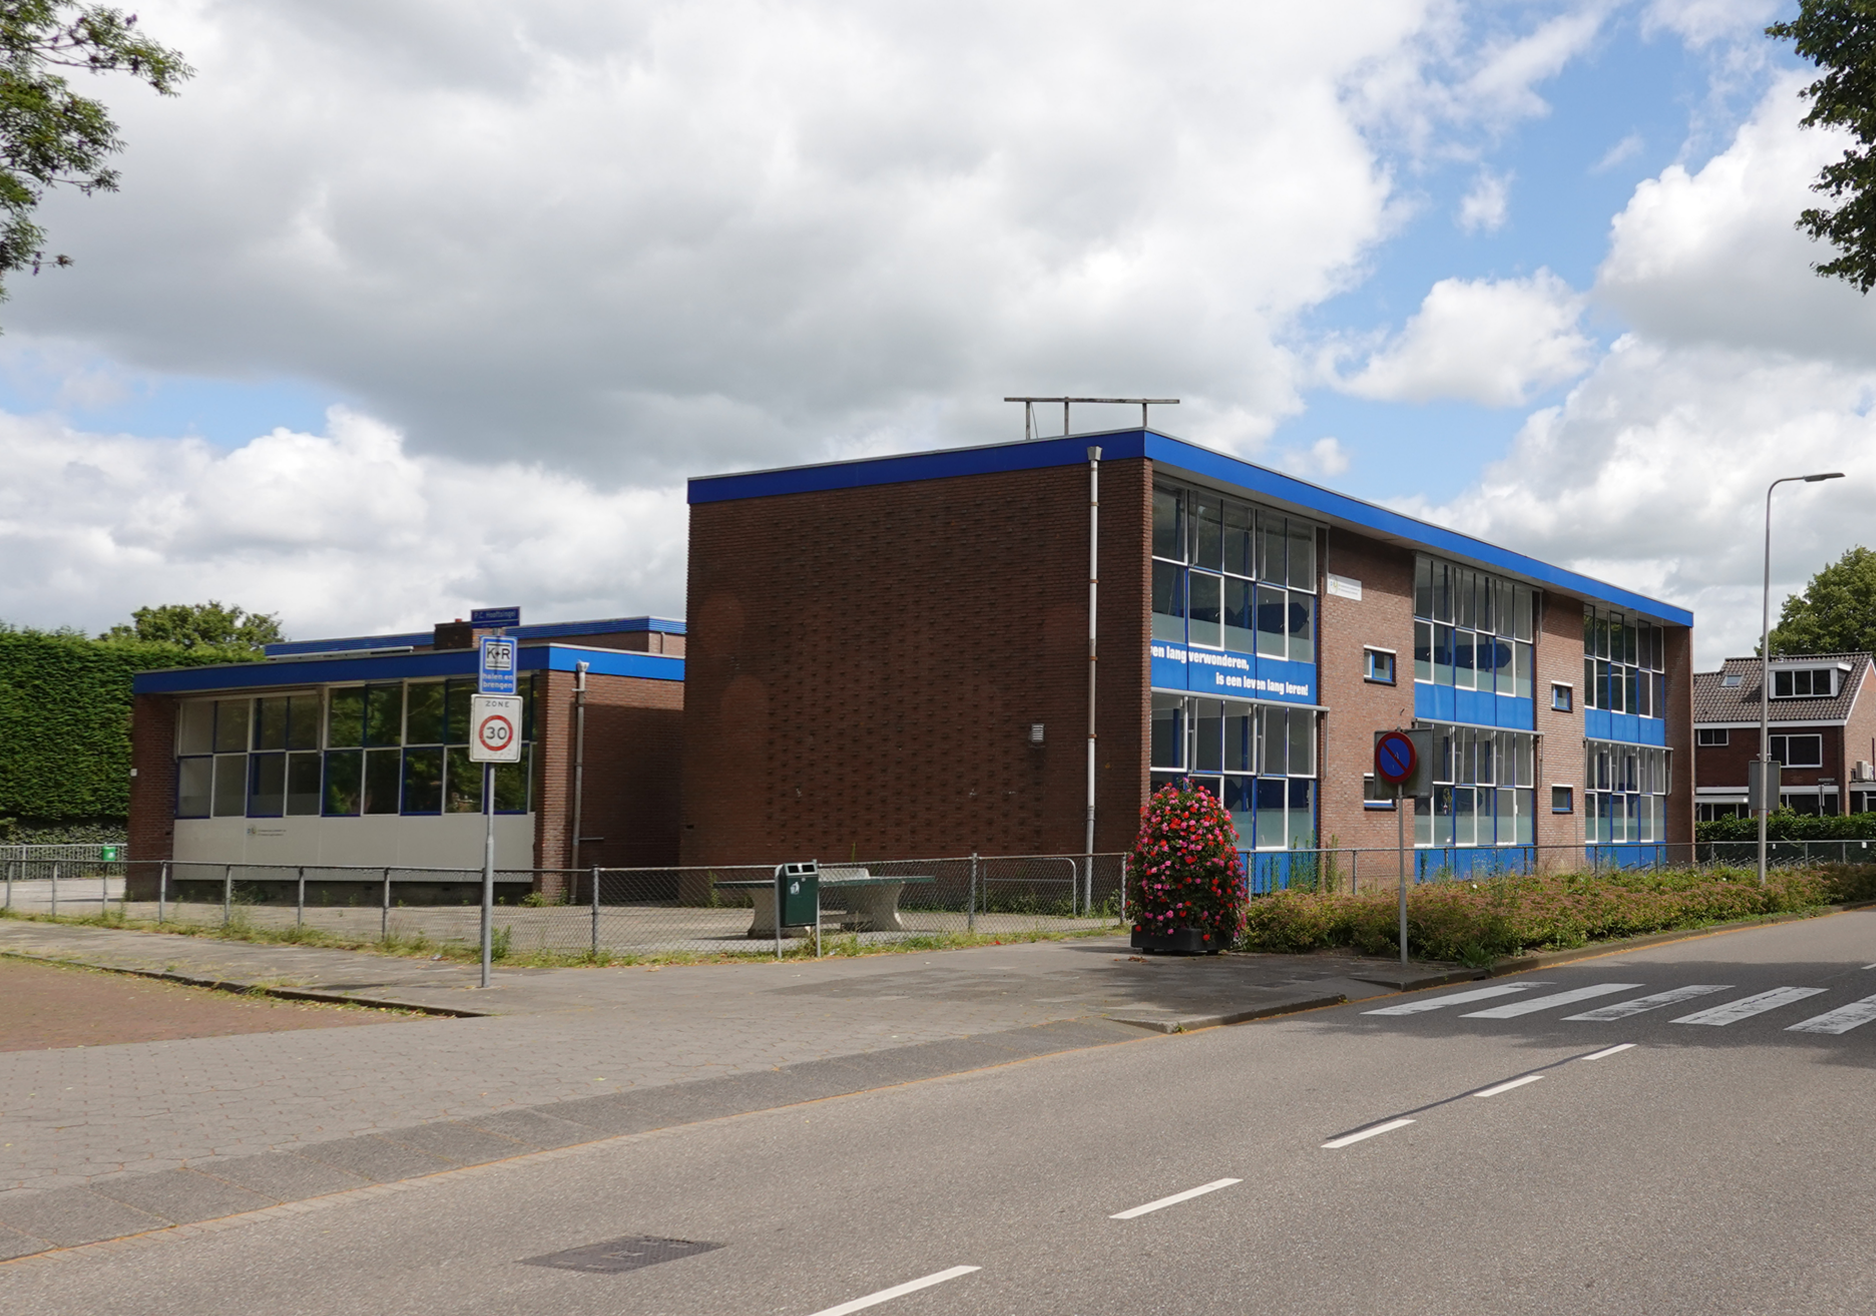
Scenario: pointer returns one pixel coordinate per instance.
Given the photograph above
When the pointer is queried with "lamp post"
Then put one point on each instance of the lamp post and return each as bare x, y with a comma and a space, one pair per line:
1762, 808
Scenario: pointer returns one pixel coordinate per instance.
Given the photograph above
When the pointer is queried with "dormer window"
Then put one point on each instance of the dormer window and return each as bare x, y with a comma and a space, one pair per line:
1732, 680
1804, 683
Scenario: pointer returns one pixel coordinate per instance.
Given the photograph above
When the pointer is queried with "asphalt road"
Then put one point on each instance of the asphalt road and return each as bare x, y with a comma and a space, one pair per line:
1721, 1161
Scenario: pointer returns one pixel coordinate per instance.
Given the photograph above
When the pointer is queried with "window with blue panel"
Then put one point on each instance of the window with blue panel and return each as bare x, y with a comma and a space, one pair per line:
1473, 635
1259, 759
1483, 789
1229, 575
1624, 664
1625, 789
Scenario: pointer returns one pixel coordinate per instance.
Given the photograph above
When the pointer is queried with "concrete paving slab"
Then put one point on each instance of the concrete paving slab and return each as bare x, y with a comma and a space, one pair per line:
181, 1196
455, 1141
373, 1158
20, 1245
282, 1175
535, 1128
69, 1216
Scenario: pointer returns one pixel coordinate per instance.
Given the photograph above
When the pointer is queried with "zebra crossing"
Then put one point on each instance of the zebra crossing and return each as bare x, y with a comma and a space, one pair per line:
1834, 1022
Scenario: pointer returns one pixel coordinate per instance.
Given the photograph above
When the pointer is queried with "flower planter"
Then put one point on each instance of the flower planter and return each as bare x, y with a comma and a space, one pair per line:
1180, 941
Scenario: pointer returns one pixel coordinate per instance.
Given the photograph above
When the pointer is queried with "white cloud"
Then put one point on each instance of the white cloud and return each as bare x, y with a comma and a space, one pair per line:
1489, 341
1622, 152
1702, 22
1486, 205
341, 532
1324, 458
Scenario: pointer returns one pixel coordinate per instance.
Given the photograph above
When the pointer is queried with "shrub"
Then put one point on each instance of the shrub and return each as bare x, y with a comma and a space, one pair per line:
1185, 871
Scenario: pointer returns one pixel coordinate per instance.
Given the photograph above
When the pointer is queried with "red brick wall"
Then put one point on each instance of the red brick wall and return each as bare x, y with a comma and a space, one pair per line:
868, 664
1560, 756
634, 729
153, 789
1679, 661
1383, 619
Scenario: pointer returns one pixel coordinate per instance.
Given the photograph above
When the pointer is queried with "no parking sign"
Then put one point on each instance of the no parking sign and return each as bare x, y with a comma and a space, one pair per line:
495, 728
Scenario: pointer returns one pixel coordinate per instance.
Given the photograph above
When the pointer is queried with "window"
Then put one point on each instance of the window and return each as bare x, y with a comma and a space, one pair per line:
347, 751
1562, 697
1483, 789
1799, 751
1624, 793
1563, 799
1715, 812
1227, 575
1259, 759
1624, 659
1472, 630
1732, 680
1378, 665
1804, 682
1375, 793
1711, 736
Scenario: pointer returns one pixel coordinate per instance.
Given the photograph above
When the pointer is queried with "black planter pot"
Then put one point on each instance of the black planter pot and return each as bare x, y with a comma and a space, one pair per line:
1180, 941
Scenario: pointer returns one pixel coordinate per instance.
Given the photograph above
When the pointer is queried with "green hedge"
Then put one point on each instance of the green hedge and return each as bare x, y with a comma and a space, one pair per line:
1788, 826
65, 721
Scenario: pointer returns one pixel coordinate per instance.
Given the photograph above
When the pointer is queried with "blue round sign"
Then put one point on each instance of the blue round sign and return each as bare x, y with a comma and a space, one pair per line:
1394, 758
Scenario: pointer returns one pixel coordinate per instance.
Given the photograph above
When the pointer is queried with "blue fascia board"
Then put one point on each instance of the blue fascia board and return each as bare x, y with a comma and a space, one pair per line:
557, 630
398, 667
1179, 455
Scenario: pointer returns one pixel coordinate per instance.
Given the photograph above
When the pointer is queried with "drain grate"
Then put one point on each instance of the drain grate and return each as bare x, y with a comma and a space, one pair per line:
621, 1254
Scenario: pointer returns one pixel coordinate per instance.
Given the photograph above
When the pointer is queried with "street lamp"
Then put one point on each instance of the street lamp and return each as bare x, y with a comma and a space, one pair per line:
1761, 807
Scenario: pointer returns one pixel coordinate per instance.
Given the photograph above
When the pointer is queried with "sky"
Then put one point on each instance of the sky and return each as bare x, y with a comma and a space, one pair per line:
406, 308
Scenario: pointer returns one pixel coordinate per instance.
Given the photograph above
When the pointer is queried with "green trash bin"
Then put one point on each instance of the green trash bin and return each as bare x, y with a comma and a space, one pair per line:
798, 900
107, 853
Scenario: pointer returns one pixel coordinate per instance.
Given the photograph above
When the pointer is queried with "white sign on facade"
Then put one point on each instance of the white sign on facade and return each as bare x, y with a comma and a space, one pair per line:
1345, 587
495, 729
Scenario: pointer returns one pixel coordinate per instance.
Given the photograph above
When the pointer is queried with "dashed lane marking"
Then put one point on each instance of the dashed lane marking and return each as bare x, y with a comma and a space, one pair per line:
1364, 1134
1747, 1006
896, 1291
1532, 1005
1608, 1051
1175, 1199
1506, 1086
1643, 1004
1840, 1020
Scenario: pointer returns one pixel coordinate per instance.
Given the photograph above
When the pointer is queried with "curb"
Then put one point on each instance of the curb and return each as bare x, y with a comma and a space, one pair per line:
248, 989
1192, 1022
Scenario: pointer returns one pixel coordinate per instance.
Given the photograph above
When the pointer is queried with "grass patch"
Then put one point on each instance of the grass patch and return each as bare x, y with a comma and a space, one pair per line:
1476, 923
417, 944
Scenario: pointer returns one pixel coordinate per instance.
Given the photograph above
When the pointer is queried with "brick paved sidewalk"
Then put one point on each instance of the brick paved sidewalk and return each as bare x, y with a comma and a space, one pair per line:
90, 1115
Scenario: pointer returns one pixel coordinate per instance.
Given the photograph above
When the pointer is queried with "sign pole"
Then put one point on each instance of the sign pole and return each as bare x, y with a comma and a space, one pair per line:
1399, 760
488, 869
1400, 840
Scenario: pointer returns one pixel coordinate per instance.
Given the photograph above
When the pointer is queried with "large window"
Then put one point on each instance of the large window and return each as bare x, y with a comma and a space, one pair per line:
1260, 759
1623, 663
1799, 751
1804, 682
343, 752
1484, 789
1625, 791
1472, 630
1227, 575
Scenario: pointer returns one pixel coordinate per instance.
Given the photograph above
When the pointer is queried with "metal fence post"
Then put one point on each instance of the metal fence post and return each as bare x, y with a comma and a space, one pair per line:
384, 916
970, 918
299, 910
1354, 872
11, 864
162, 888
1123, 889
595, 911
55, 889
227, 894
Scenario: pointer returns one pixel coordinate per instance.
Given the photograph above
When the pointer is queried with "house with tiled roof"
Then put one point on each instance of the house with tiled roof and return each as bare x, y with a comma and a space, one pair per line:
1822, 717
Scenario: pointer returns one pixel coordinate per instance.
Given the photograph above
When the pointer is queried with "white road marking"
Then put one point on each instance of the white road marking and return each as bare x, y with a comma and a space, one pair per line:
1365, 1134
1418, 1007
1607, 1051
1507, 1086
1176, 1198
1840, 1020
1747, 1006
1870, 966
1533, 1004
1643, 1004
896, 1291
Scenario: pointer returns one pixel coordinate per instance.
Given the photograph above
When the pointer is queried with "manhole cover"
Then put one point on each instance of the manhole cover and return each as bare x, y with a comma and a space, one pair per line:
621, 1254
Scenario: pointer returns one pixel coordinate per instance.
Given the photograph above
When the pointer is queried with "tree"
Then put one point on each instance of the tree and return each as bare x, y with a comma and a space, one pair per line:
48, 134
1836, 613
1840, 37
200, 625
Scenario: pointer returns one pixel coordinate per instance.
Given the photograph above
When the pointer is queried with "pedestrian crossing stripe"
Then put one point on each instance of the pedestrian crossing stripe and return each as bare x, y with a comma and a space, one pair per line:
1643, 1004
1833, 1022
1747, 1006
1460, 998
1840, 1020
1551, 1002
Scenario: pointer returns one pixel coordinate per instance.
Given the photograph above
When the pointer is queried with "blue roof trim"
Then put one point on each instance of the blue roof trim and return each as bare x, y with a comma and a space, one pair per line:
399, 667
557, 630
1176, 454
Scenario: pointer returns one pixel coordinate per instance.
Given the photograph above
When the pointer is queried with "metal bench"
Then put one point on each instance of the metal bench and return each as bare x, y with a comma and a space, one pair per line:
866, 903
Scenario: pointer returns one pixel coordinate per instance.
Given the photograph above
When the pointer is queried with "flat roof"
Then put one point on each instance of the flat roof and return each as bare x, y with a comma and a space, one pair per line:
1189, 458
553, 630
283, 673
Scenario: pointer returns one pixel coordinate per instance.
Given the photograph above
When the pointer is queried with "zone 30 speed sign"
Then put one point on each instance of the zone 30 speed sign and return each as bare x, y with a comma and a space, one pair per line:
495, 728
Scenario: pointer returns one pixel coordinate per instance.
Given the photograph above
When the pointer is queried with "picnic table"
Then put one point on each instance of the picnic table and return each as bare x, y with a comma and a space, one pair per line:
867, 903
